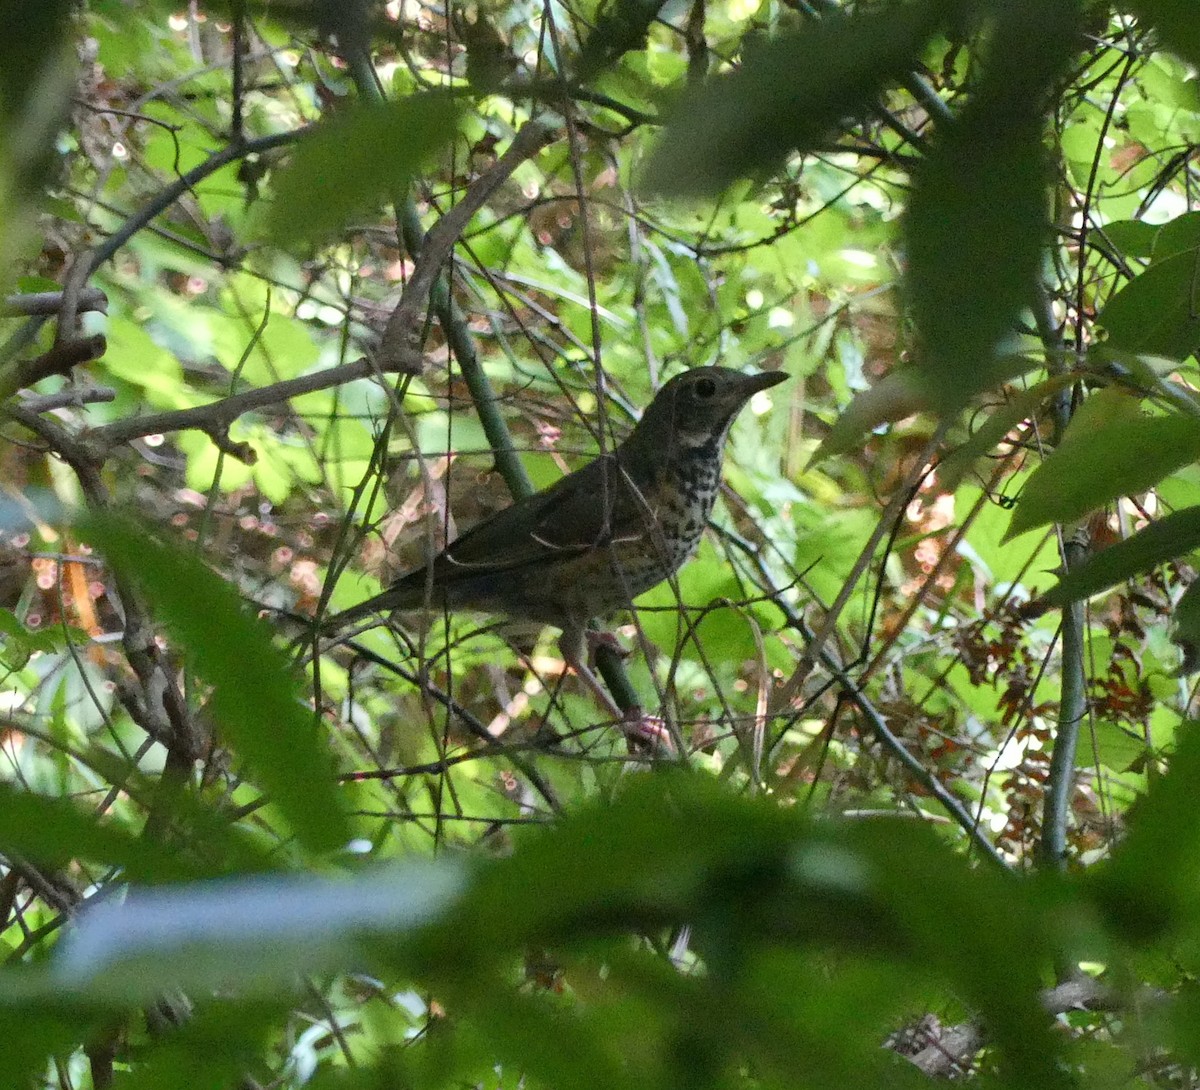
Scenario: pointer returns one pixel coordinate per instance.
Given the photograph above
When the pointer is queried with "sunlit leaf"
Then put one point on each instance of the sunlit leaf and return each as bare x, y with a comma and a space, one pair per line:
1100, 461
897, 395
252, 934
1169, 537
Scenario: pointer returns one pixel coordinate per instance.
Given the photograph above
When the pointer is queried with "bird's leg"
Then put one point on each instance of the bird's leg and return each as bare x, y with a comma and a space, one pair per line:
596, 640
637, 725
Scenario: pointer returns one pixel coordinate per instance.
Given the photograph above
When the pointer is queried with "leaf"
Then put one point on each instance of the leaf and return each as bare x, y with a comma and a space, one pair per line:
52, 832
897, 395
251, 934
788, 94
1022, 404
354, 162
754, 880
1158, 311
1176, 22
1172, 536
622, 25
1098, 462
1133, 238
1177, 236
1149, 888
1187, 627
254, 697
978, 219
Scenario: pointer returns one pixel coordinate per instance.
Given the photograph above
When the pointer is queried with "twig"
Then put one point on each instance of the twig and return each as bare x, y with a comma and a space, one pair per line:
47, 303
60, 360
68, 397
815, 649
883, 733
139, 219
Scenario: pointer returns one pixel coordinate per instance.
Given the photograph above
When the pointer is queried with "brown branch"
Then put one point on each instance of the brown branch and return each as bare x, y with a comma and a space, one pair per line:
46, 303
160, 710
400, 349
70, 397
218, 415
60, 360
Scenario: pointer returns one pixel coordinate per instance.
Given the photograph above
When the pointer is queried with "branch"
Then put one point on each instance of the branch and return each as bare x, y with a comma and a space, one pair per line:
139, 219
215, 418
68, 397
47, 303
949, 802
60, 360
948, 1049
160, 709
400, 349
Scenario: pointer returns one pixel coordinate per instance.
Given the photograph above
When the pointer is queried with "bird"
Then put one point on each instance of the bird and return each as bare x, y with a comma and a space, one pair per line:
597, 538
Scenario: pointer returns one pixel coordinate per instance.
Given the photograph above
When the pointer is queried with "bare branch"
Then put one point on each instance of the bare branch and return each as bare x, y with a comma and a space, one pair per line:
400, 350
69, 397
60, 360
217, 416
46, 303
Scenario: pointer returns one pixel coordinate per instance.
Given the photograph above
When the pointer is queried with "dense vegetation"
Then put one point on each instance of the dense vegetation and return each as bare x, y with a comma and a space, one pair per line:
295, 292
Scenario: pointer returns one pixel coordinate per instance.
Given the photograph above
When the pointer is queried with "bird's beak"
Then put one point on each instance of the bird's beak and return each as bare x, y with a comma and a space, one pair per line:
764, 380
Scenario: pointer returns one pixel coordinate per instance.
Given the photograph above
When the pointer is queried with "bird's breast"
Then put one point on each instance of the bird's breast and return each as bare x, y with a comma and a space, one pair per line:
676, 509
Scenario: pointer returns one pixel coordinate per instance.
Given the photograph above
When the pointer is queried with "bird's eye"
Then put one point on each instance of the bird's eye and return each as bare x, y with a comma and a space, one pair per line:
705, 389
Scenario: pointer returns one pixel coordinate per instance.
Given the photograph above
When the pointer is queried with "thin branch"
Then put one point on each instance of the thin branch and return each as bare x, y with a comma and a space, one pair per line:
216, 417
47, 303
400, 349
60, 360
69, 397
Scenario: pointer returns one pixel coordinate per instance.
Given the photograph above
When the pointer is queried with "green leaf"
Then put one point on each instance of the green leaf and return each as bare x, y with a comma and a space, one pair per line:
788, 94
897, 395
1177, 23
1101, 460
1158, 311
1022, 404
1149, 888
52, 832
1177, 236
1187, 627
900, 394
621, 26
1133, 238
979, 218
758, 883
1172, 536
254, 701
355, 162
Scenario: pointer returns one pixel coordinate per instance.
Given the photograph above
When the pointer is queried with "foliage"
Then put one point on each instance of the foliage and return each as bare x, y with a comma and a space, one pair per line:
329, 282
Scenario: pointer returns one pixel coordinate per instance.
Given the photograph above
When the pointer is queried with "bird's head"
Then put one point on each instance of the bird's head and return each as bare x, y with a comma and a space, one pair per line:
696, 408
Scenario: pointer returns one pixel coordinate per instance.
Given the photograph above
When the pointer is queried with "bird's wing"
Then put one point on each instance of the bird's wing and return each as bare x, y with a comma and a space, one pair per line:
591, 507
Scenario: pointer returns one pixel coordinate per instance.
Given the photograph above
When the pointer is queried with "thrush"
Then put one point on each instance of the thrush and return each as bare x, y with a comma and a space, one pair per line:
592, 542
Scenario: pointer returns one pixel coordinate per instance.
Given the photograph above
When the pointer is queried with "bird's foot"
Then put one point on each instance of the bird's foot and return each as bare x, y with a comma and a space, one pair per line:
647, 732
